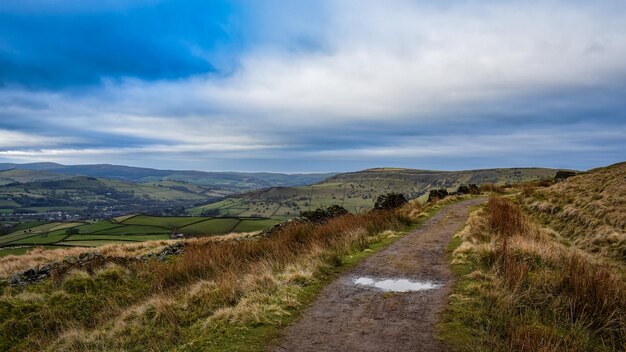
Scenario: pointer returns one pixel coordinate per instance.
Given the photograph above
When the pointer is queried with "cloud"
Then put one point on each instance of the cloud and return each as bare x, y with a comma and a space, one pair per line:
367, 81
15, 139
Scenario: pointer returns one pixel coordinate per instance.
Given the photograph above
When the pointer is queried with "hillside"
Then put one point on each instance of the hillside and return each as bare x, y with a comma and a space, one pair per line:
88, 196
229, 182
103, 191
23, 176
588, 209
357, 191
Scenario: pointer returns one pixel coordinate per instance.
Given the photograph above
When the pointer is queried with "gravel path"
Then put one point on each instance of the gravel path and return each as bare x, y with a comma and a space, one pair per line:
351, 317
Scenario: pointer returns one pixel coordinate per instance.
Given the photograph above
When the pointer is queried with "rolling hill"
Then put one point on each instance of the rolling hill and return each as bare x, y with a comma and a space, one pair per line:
588, 209
357, 191
103, 191
82, 196
231, 182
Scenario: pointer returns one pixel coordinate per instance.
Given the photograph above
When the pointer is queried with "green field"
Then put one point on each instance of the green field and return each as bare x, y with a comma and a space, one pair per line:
169, 222
133, 228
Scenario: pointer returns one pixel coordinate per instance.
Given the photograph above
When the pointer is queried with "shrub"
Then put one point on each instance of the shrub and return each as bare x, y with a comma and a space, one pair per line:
467, 189
389, 201
490, 187
437, 194
321, 215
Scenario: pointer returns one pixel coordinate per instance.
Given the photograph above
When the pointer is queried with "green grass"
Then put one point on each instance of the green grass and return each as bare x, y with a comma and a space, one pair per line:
129, 228
453, 330
209, 227
5, 251
254, 225
134, 230
98, 226
14, 251
94, 243
170, 222
28, 232
45, 238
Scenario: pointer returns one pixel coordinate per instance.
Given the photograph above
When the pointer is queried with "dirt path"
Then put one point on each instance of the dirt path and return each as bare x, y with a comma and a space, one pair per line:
350, 317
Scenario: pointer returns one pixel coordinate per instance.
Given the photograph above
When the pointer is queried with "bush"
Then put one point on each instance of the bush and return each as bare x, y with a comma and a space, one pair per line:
469, 189
389, 201
321, 215
437, 194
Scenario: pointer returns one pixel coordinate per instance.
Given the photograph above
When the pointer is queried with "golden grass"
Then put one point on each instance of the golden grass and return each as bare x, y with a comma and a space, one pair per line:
589, 210
38, 257
524, 291
213, 285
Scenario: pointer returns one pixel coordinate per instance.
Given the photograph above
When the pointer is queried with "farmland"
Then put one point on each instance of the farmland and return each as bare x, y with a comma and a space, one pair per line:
126, 229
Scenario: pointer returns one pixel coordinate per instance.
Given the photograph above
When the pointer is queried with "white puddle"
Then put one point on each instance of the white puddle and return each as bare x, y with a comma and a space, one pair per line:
400, 285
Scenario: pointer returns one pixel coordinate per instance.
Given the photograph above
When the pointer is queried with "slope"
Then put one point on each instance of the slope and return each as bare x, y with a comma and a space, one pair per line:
357, 191
589, 209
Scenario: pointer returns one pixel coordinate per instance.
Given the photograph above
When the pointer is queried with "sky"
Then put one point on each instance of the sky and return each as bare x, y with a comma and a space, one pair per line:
313, 86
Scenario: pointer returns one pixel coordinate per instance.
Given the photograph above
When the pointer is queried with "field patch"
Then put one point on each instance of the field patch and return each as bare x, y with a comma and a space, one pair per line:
169, 222
210, 227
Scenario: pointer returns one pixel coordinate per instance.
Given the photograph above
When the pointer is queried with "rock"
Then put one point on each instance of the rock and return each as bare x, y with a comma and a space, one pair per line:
31, 276
170, 250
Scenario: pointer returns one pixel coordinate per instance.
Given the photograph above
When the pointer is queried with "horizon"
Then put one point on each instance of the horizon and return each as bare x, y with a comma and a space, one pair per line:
313, 87
297, 172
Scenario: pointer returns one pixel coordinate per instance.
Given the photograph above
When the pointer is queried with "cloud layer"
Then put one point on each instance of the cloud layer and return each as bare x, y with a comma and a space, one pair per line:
330, 85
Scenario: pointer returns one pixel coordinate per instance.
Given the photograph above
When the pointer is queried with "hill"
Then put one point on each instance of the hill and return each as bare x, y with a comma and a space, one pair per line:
82, 196
23, 176
357, 191
589, 209
230, 182
102, 191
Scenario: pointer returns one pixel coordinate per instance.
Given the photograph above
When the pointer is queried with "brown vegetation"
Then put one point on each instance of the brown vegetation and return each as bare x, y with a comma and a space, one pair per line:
213, 290
589, 210
491, 188
523, 291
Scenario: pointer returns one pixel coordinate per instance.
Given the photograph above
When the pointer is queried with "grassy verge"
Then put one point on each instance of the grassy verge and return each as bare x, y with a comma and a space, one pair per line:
518, 289
215, 296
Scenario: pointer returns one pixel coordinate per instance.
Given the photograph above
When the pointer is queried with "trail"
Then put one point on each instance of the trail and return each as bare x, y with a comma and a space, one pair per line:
350, 317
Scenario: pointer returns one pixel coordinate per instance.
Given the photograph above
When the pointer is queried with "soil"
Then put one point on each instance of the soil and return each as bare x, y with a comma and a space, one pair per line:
350, 317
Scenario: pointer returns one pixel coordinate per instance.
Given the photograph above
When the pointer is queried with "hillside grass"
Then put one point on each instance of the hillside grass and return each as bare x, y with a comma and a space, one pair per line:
357, 191
215, 296
587, 210
519, 289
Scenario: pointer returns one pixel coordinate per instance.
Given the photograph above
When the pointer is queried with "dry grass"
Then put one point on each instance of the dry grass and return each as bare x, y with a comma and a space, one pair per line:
523, 291
589, 210
212, 287
38, 257
492, 188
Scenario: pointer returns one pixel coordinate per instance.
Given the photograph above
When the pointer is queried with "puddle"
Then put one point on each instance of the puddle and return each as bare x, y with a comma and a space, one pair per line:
400, 285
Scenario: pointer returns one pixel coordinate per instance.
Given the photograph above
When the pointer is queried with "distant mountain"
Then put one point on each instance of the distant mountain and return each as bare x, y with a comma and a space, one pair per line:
231, 181
357, 190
